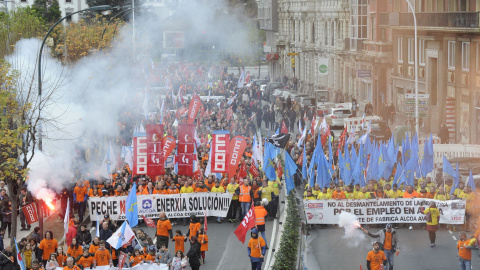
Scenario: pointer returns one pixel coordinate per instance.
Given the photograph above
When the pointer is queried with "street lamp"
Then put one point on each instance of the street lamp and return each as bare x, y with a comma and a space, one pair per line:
39, 66
416, 64
96, 8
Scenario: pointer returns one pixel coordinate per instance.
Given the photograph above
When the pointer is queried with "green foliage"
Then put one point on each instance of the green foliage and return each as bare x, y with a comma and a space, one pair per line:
18, 24
49, 11
286, 256
11, 130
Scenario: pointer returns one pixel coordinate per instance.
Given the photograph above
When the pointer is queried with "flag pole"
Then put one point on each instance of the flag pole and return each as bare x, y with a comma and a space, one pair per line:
135, 235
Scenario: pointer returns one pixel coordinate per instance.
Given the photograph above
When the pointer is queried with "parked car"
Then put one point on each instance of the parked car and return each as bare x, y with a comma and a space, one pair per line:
272, 86
337, 116
380, 130
259, 83
308, 102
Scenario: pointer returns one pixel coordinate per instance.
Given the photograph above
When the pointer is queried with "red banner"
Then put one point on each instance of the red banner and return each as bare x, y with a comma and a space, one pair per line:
155, 158
247, 223
185, 150
193, 108
185, 164
220, 147
237, 148
180, 113
169, 144
242, 173
284, 128
253, 169
121, 260
150, 223
139, 154
30, 212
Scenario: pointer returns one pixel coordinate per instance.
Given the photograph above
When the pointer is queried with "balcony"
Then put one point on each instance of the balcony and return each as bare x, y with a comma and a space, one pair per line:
463, 20
382, 51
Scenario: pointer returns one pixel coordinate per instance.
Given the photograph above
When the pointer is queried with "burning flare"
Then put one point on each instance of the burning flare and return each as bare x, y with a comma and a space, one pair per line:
50, 205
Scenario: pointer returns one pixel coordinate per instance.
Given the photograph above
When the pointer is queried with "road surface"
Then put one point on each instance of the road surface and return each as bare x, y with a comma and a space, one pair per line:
326, 249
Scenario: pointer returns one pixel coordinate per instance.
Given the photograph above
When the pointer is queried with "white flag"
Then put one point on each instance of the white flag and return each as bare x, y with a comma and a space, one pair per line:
97, 234
122, 236
66, 219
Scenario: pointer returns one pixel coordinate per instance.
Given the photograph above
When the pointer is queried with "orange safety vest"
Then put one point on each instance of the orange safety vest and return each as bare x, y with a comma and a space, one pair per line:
260, 214
245, 194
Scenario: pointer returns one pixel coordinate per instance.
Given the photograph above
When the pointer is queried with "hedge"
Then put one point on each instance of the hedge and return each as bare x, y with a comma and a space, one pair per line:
286, 256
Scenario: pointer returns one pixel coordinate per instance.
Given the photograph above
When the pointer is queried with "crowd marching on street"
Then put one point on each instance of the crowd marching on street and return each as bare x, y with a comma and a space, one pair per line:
321, 161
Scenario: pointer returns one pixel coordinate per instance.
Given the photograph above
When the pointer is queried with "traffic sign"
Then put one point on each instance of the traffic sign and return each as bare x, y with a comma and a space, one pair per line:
420, 96
420, 114
421, 103
412, 109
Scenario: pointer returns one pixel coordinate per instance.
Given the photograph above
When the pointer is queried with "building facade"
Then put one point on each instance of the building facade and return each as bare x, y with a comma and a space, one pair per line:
369, 49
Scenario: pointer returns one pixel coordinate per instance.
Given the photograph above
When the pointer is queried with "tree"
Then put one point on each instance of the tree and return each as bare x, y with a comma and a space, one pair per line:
48, 10
85, 38
17, 24
12, 129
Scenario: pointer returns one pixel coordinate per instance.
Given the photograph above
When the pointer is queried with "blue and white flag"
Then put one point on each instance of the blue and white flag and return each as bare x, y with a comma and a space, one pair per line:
132, 207
230, 101
241, 80
121, 237
19, 256
97, 233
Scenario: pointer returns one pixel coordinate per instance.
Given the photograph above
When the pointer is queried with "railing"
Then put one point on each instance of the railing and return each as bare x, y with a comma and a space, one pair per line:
431, 19
453, 151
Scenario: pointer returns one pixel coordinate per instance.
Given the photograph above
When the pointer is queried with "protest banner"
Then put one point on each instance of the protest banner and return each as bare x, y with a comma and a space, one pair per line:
237, 148
139, 153
382, 211
175, 205
155, 158
193, 108
30, 213
220, 147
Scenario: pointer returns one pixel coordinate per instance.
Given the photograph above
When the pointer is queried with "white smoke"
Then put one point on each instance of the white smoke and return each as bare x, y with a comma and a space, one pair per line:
87, 98
351, 225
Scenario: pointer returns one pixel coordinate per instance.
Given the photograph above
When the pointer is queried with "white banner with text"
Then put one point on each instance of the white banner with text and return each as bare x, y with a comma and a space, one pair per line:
175, 205
143, 266
382, 210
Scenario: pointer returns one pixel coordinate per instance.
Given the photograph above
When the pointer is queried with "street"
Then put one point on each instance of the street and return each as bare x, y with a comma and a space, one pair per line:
327, 249
225, 250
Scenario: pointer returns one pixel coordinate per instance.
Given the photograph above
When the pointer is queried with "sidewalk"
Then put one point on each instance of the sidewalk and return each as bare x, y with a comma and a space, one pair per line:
50, 223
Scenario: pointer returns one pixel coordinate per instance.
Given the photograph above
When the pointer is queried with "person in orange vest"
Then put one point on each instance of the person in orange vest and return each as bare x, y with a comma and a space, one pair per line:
245, 197
338, 194
260, 214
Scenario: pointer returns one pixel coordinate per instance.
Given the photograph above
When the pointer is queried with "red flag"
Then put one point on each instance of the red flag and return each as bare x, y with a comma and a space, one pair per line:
313, 126
169, 143
121, 260
193, 108
253, 169
243, 170
300, 160
284, 128
30, 212
205, 226
247, 223
237, 148
280, 170
150, 223
342, 140
181, 112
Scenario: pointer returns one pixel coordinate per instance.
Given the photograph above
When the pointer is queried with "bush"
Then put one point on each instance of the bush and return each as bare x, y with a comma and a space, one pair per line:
286, 256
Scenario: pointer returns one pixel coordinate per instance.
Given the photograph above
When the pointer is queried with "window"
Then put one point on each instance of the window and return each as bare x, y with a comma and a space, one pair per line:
374, 27
400, 50
68, 1
69, 16
421, 52
451, 54
358, 16
465, 56
411, 51
477, 57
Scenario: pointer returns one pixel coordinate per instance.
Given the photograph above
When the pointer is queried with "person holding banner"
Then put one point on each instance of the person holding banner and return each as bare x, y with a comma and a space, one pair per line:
25, 198
233, 188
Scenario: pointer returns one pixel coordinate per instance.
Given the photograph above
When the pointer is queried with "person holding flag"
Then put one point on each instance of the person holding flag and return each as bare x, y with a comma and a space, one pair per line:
256, 249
